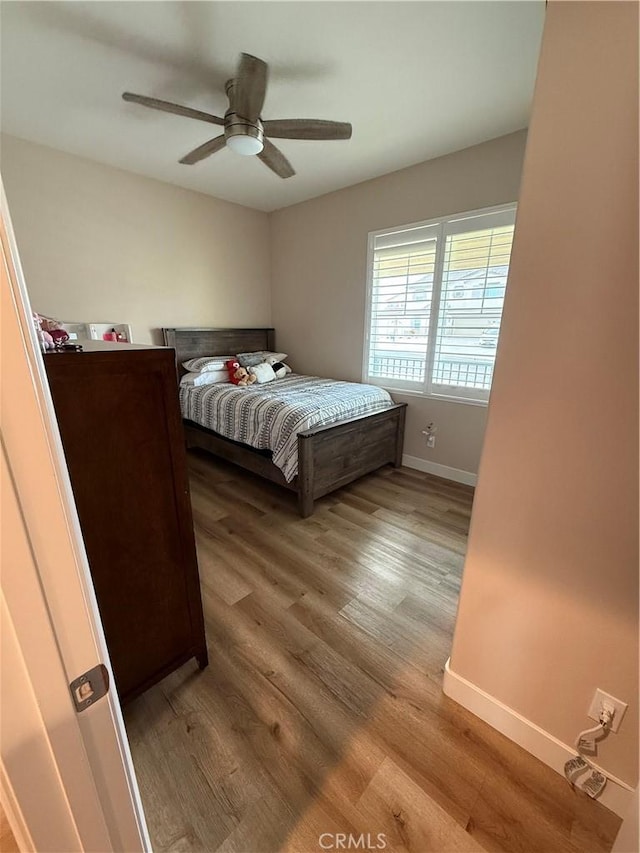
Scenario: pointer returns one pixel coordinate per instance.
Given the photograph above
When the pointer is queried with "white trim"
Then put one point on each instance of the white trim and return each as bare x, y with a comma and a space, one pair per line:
448, 217
368, 291
445, 471
13, 813
442, 398
616, 796
434, 309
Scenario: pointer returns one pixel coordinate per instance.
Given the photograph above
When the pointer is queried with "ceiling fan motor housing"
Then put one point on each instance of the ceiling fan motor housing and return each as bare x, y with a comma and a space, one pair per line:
245, 136
235, 125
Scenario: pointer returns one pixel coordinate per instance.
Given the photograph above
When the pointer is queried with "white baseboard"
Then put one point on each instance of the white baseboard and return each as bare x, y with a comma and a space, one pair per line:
616, 796
456, 474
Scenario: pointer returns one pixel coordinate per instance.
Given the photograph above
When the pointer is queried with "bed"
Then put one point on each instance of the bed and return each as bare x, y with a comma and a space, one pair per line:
327, 455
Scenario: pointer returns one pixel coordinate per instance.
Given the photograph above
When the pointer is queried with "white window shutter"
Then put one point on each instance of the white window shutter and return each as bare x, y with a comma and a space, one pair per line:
402, 276
435, 297
474, 280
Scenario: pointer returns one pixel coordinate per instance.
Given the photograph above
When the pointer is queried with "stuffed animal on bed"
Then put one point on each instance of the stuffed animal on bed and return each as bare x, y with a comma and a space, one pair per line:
279, 367
238, 375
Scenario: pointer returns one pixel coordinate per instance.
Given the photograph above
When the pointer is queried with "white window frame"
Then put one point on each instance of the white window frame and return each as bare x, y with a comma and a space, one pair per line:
452, 224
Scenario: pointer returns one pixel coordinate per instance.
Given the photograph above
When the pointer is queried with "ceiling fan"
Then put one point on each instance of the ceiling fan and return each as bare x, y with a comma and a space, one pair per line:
244, 130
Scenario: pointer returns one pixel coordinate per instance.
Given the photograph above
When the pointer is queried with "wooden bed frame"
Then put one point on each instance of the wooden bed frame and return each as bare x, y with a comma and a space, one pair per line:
328, 456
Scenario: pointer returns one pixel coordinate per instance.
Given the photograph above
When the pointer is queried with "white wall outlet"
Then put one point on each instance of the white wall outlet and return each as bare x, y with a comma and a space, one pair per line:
431, 441
602, 699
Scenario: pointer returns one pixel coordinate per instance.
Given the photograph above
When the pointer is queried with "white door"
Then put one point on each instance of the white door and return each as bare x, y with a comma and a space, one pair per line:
67, 780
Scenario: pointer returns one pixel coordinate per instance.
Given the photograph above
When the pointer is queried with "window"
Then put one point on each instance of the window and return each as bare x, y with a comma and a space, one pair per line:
434, 304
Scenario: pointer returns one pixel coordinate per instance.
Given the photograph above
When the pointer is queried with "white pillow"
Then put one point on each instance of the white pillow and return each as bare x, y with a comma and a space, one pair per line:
263, 373
208, 377
206, 363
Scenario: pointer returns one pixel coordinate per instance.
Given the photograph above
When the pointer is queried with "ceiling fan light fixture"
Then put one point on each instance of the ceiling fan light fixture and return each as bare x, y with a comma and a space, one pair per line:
242, 136
245, 145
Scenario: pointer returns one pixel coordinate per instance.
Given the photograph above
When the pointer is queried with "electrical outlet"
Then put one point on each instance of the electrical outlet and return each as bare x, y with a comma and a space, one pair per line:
429, 433
602, 699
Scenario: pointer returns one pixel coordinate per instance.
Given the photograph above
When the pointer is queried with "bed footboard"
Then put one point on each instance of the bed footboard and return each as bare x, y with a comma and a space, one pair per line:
332, 456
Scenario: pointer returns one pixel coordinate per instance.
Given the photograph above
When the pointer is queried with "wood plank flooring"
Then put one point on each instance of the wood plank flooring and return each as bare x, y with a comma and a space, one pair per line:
321, 710
8, 843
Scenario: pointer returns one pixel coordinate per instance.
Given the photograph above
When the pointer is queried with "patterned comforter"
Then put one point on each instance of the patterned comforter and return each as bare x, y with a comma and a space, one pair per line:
270, 416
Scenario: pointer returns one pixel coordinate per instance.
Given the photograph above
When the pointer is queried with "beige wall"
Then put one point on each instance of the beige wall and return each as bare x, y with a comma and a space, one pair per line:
319, 253
549, 604
99, 244
152, 254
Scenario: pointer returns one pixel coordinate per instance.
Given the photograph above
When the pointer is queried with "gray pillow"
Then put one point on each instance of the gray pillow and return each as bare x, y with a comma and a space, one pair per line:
251, 359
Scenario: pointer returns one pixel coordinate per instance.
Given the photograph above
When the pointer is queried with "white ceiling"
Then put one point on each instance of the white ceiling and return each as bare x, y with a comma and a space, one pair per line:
416, 79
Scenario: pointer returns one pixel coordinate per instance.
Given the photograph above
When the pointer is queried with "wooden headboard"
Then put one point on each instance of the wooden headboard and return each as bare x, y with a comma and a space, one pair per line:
193, 343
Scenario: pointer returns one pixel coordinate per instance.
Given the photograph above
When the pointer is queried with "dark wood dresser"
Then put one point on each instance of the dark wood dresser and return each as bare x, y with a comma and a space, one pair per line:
119, 418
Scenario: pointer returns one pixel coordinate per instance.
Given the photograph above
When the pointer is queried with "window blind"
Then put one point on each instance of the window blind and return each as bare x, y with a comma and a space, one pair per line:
474, 280
401, 300
435, 298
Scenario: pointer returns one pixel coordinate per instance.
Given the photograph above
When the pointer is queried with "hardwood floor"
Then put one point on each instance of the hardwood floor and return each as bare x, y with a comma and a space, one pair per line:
8, 843
321, 709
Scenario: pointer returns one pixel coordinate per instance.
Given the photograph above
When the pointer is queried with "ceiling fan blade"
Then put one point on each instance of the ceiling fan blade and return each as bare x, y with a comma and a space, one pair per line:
203, 151
275, 160
307, 128
168, 107
250, 87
